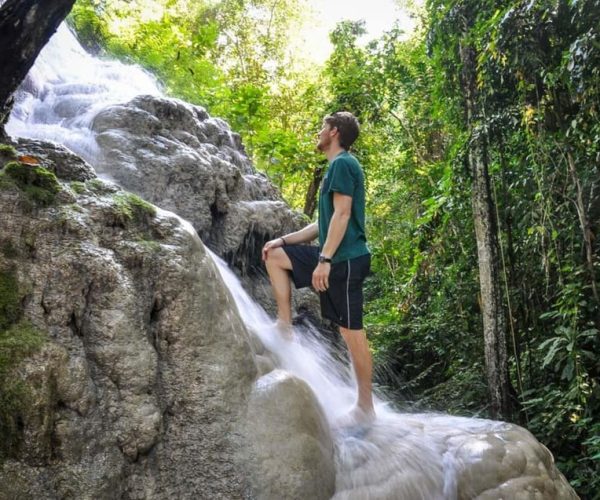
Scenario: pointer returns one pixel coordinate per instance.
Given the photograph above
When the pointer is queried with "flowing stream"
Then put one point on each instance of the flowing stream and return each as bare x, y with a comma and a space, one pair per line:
401, 456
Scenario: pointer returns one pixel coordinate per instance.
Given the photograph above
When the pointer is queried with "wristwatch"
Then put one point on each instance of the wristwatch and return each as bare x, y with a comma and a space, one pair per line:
323, 258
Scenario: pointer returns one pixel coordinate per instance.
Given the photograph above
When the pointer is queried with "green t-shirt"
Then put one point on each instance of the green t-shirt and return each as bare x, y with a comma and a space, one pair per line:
344, 175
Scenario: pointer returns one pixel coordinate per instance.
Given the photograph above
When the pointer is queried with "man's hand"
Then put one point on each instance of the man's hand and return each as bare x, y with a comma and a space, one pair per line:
320, 277
270, 245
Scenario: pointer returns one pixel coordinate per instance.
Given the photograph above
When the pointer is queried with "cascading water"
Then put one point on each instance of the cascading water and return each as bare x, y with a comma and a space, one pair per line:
65, 90
400, 456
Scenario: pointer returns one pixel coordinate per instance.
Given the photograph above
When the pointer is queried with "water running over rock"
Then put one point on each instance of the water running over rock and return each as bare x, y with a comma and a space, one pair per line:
407, 456
169, 152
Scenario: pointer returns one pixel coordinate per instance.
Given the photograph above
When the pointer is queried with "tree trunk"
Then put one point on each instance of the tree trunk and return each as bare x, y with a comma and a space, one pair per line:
25, 27
310, 201
484, 215
584, 222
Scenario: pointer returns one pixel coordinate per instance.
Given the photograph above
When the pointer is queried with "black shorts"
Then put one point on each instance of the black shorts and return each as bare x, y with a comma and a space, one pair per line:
342, 303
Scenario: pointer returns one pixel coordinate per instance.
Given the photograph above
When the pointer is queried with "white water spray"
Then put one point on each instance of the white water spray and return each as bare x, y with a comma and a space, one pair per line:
65, 90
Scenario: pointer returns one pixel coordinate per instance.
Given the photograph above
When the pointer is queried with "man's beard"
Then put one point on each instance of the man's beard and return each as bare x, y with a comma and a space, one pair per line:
323, 144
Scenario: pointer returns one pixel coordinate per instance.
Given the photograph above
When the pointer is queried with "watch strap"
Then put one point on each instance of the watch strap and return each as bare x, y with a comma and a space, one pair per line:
324, 258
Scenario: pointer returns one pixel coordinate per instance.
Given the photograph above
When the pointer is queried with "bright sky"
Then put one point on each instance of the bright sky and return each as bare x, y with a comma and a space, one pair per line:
379, 16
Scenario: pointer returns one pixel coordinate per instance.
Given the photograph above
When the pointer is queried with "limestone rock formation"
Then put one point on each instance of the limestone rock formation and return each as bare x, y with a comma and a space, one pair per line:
289, 432
175, 155
145, 368
439, 457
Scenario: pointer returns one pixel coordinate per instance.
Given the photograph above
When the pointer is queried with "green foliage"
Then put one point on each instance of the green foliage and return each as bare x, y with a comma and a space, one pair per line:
38, 183
537, 87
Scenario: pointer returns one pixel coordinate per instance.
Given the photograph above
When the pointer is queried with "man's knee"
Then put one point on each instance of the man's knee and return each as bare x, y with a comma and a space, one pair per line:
350, 334
278, 259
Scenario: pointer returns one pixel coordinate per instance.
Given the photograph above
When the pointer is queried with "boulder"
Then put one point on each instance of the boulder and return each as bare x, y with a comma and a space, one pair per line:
291, 449
440, 457
176, 156
145, 366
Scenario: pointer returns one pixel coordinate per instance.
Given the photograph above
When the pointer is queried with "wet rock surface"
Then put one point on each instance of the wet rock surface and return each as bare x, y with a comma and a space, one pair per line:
176, 156
292, 448
146, 366
439, 457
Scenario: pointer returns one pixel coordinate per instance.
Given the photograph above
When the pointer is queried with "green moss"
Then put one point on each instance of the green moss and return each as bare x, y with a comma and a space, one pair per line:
38, 183
130, 207
18, 342
8, 249
7, 153
97, 186
77, 187
10, 301
148, 245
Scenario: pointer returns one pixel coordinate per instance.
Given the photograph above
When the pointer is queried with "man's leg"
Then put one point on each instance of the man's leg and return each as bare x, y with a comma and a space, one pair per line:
278, 264
356, 340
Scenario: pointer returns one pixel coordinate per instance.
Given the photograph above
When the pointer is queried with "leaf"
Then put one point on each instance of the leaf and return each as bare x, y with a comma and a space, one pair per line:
567, 373
556, 341
29, 160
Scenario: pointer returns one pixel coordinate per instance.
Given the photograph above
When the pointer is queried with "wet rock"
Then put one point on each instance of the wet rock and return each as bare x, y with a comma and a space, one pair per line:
439, 457
176, 156
146, 366
58, 159
291, 450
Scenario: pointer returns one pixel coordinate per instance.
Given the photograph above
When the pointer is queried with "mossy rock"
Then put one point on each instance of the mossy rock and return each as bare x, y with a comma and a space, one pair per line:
38, 183
17, 343
18, 340
77, 187
7, 153
99, 187
129, 207
8, 249
10, 301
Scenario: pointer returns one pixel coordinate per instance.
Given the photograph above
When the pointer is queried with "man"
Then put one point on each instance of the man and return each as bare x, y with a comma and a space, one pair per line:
338, 267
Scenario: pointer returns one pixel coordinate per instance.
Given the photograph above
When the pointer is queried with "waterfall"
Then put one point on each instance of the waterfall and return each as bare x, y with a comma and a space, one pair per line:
400, 456
65, 90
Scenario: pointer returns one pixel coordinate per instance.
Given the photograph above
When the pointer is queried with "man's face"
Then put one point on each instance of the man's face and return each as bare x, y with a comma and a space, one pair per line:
325, 137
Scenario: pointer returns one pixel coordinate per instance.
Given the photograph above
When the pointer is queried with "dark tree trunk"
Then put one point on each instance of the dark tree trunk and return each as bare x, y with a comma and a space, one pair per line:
310, 201
25, 27
484, 216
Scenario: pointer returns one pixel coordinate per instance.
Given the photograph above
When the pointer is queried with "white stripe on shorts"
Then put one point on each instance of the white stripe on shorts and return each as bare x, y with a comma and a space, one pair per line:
347, 293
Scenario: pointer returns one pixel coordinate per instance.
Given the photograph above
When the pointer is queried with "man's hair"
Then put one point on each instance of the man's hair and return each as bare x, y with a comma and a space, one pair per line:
347, 126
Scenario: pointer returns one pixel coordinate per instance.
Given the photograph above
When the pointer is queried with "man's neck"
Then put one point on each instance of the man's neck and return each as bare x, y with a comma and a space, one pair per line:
332, 152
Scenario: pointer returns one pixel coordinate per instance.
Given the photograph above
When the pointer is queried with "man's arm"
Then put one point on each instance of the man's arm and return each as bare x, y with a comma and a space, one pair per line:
305, 235
342, 209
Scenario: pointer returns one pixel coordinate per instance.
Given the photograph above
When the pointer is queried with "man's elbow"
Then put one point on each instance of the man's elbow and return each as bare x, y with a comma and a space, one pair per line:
343, 213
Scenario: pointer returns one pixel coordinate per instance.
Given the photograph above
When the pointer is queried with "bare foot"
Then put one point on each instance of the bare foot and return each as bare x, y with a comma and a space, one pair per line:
356, 416
286, 330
